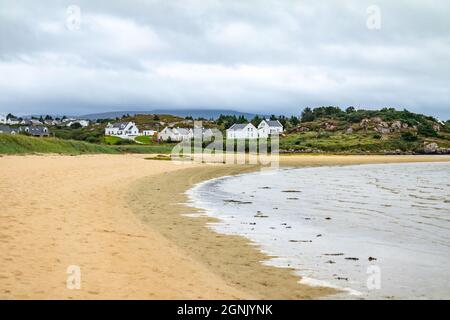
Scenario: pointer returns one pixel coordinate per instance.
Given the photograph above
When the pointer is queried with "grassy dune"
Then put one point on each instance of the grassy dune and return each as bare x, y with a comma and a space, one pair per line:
21, 144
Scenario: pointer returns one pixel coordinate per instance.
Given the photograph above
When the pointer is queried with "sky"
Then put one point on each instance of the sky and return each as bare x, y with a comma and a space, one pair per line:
260, 56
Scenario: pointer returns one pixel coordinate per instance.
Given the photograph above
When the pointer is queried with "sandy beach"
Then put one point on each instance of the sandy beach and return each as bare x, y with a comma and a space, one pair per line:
120, 219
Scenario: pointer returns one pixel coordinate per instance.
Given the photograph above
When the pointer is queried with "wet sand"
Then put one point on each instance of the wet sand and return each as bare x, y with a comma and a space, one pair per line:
105, 214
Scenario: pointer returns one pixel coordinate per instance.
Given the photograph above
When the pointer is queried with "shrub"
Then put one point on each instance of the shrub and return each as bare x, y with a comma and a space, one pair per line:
409, 136
426, 130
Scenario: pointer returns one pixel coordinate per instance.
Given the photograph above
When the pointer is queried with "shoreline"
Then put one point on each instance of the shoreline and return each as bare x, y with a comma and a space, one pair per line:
89, 211
240, 261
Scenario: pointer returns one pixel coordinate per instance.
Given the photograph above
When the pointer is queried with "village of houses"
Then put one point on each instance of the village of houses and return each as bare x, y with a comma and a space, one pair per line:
130, 131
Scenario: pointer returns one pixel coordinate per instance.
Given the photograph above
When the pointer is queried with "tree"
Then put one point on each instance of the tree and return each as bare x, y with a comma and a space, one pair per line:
273, 117
350, 110
242, 119
256, 120
75, 125
426, 130
294, 120
48, 117
307, 115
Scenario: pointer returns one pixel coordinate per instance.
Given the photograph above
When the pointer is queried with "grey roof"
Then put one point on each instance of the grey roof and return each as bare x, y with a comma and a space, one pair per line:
183, 131
238, 126
274, 123
120, 125
7, 129
36, 130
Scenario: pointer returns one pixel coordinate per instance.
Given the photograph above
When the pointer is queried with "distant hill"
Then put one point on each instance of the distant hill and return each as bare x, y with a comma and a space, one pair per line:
195, 113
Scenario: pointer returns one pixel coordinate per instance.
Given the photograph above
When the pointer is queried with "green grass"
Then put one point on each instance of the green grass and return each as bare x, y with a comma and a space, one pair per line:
110, 140
143, 149
144, 139
21, 144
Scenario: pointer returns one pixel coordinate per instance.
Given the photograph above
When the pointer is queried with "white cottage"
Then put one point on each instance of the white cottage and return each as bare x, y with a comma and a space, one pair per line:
242, 131
149, 132
124, 130
269, 127
83, 123
175, 134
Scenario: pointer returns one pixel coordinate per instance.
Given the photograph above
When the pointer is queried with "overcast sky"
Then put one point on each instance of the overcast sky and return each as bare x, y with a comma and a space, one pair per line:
262, 56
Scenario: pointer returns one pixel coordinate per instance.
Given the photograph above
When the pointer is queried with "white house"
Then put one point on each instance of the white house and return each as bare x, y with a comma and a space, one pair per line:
36, 131
175, 134
124, 130
83, 123
242, 131
149, 132
7, 129
12, 121
269, 127
35, 122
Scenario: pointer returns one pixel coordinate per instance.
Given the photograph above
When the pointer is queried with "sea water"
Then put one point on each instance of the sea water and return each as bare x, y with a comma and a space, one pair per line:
374, 231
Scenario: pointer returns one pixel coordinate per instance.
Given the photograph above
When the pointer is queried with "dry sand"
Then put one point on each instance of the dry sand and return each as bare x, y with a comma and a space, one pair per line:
118, 217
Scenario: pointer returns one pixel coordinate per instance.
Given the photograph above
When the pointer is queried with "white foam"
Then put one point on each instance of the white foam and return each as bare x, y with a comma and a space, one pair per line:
320, 283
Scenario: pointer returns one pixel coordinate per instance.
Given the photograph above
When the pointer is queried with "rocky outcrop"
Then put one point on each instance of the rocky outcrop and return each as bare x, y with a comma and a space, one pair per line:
330, 127
382, 127
303, 129
436, 127
433, 148
396, 126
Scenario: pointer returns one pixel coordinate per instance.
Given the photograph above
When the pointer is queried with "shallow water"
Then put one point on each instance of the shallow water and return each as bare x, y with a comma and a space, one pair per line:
376, 231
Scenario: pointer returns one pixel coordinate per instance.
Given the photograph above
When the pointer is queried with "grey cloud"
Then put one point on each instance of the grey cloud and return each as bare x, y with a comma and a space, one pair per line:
260, 56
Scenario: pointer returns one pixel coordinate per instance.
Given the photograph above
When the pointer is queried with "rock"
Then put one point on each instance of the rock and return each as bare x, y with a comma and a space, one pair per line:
364, 123
377, 120
383, 128
396, 125
349, 130
372, 259
330, 261
431, 148
327, 218
436, 127
330, 127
